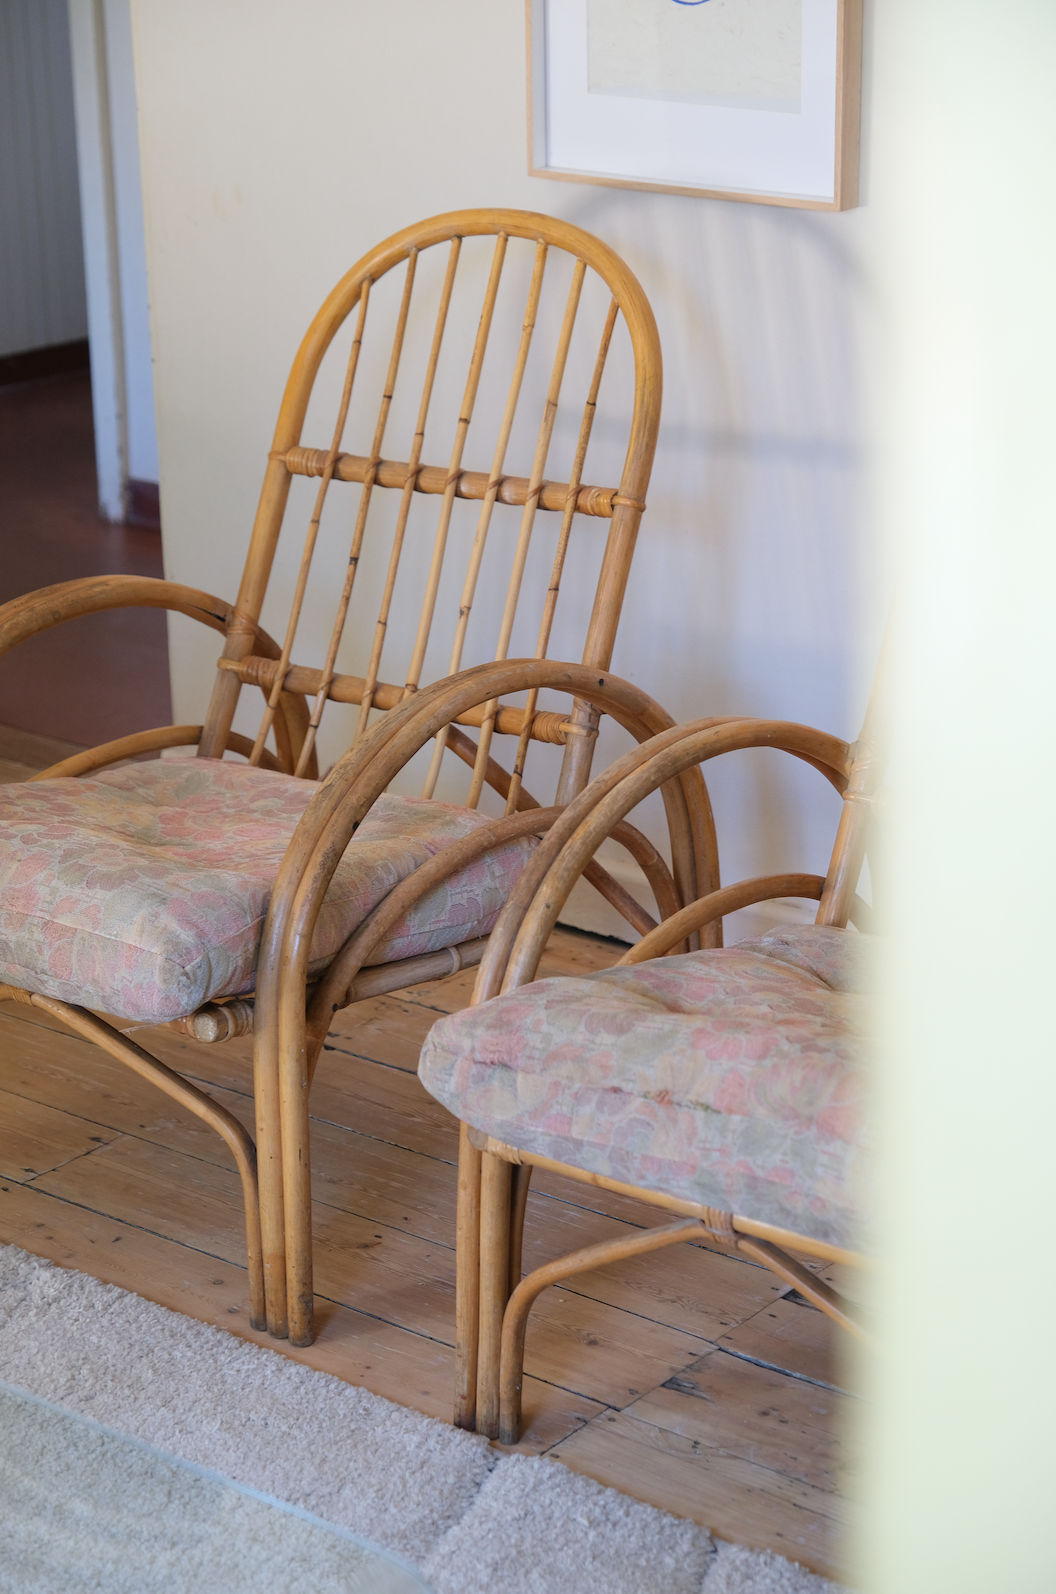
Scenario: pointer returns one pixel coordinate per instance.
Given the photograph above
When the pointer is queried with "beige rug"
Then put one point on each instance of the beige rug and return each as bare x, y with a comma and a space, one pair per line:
84, 1509
471, 1522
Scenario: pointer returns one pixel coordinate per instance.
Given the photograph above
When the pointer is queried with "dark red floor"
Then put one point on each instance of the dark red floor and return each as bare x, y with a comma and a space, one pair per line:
104, 675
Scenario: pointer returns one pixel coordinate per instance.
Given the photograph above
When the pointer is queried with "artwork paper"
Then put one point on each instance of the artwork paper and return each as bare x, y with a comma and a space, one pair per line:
733, 53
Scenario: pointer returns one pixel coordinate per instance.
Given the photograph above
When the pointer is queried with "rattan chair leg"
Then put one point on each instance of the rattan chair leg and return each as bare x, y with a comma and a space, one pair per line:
520, 1180
272, 1204
467, 1282
296, 1180
494, 1286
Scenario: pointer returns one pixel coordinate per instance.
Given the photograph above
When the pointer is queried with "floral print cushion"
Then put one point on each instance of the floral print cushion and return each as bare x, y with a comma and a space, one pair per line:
735, 1078
143, 891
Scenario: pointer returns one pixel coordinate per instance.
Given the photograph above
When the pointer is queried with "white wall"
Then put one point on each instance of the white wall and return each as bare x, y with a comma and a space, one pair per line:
41, 270
280, 142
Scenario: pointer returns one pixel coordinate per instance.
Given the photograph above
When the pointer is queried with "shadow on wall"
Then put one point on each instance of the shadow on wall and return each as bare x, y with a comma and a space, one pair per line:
754, 568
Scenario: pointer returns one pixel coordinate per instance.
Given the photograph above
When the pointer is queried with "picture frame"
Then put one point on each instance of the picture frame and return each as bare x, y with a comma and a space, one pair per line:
709, 108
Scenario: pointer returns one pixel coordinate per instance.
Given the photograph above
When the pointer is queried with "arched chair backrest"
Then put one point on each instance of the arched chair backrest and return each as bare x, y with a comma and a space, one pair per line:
495, 452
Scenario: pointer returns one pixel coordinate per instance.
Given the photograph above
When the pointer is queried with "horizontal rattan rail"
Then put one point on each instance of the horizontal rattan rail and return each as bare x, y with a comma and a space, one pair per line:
597, 501
834, 1254
223, 1021
255, 671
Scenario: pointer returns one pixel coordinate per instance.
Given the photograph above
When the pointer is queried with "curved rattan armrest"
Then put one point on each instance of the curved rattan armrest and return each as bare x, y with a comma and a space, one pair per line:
25, 617
360, 777
526, 921
745, 894
140, 742
362, 774
38, 611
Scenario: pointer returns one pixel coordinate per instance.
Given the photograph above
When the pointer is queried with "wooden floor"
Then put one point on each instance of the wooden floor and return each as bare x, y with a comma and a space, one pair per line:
689, 1379
50, 531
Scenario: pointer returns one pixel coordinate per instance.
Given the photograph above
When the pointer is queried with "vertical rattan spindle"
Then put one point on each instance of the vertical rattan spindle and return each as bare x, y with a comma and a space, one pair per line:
454, 470
313, 530
550, 606
381, 627
494, 482
361, 517
531, 504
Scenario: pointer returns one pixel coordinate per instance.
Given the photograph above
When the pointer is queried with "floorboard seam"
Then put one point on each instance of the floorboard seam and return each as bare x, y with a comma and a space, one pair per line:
45, 1173
126, 1223
363, 1057
787, 1372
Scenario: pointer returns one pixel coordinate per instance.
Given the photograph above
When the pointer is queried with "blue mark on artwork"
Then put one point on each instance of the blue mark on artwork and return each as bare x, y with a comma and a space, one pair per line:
690, 2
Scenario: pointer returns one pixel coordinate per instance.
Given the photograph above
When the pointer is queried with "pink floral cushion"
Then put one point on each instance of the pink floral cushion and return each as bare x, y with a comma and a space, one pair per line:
735, 1078
143, 891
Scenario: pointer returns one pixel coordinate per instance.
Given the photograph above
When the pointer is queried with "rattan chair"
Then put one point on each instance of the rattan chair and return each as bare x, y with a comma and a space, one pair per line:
101, 865
662, 1081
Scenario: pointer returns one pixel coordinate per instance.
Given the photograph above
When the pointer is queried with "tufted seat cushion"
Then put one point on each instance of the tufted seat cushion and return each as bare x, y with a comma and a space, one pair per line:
735, 1078
143, 891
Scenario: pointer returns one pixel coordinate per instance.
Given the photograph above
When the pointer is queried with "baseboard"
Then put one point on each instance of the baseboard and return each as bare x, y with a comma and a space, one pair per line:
24, 754
587, 910
34, 750
33, 365
142, 504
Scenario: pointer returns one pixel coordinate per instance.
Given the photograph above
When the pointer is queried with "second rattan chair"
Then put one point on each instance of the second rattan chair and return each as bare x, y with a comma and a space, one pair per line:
725, 1087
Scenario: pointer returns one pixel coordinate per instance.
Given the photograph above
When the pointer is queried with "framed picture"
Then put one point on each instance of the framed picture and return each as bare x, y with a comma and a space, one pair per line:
753, 100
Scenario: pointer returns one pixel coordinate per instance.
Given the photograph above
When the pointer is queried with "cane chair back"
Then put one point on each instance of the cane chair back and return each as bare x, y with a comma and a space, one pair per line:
466, 420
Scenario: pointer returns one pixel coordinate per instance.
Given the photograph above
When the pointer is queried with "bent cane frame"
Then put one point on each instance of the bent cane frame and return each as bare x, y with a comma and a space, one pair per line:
327, 826
239, 1142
